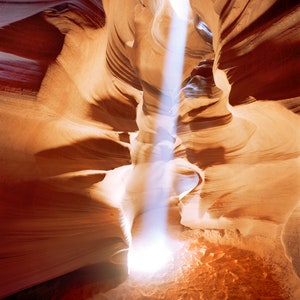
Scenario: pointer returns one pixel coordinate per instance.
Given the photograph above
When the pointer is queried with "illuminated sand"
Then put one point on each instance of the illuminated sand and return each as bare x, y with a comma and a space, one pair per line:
212, 264
200, 269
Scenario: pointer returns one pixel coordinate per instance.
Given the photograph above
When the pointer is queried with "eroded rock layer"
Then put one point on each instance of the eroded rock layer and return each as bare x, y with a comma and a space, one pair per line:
99, 99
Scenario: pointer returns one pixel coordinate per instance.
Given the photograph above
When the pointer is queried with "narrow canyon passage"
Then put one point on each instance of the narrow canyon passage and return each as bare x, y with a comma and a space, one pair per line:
126, 125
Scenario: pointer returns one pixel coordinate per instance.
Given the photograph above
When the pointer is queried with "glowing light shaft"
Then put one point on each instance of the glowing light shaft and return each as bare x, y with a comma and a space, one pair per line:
181, 8
152, 255
166, 122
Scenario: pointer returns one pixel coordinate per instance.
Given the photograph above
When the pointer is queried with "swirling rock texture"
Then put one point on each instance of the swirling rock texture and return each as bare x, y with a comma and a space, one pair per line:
82, 84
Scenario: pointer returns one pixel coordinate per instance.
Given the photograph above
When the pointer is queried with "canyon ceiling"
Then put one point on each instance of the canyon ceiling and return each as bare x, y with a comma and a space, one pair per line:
84, 127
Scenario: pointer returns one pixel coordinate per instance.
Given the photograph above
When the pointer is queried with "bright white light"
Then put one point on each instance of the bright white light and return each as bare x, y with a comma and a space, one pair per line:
181, 8
153, 255
149, 258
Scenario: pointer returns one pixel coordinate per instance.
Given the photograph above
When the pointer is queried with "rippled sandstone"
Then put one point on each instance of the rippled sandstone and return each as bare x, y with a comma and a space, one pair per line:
80, 101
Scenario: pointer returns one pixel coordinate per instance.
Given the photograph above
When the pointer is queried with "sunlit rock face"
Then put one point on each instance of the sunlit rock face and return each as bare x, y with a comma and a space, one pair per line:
250, 163
58, 209
82, 103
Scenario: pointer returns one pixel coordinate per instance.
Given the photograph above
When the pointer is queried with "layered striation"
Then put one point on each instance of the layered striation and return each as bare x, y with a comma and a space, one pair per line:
83, 89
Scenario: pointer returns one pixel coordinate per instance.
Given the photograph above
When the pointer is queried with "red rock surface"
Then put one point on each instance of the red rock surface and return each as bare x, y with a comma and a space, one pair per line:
199, 270
82, 85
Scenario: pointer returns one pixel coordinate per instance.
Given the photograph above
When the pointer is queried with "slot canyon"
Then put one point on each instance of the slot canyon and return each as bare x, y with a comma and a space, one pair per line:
134, 132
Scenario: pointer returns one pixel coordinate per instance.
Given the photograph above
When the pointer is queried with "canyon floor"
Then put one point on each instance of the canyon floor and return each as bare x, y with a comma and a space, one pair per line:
204, 266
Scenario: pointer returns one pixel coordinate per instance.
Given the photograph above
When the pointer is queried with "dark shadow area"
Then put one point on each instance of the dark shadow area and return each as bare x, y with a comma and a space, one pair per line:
27, 48
263, 59
29, 43
270, 71
80, 284
88, 154
209, 157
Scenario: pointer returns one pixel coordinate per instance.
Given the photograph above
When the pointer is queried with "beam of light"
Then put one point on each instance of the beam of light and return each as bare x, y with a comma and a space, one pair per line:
181, 9
150, 258
153, 251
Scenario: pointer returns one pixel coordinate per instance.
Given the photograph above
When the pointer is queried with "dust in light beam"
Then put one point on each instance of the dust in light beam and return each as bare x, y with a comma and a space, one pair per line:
150, 252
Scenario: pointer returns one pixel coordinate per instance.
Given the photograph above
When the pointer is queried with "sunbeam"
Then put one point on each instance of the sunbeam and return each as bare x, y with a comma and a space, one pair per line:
152, 241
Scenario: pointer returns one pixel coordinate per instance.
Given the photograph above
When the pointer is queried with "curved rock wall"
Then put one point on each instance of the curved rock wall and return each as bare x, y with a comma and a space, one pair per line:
80, 106
59, 152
